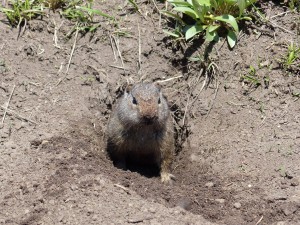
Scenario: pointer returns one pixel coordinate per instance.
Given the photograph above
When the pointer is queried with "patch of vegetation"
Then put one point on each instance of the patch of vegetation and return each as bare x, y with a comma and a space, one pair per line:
133, 3
215, 18
56, 4
19, 12
81, 12
251, 78
291, 61
254, 80
293, 4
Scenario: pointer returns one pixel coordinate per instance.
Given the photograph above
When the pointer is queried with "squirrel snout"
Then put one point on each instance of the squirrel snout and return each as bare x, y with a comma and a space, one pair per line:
149, 119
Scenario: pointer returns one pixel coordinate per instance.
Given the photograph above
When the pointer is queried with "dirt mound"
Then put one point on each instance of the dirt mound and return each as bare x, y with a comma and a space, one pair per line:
236, 126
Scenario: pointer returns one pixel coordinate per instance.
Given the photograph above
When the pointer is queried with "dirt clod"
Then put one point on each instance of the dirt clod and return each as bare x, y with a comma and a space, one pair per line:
237, 205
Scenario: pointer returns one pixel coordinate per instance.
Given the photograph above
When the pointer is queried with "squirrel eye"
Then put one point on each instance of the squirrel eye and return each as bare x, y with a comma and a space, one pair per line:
158, 100
134, 101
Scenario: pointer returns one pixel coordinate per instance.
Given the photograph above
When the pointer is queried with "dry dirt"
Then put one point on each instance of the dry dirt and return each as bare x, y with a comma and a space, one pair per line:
238, 149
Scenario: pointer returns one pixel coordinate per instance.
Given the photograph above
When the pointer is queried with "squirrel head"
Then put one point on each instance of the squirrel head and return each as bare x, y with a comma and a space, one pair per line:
145, 105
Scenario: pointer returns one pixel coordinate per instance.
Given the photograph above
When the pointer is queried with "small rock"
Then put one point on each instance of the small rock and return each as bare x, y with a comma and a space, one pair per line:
89, 212
281, 223
195, 158
220, 200
61, 218
10, 145
19, 126
209, 184
288, 174
95, 217
176, 211
294, 182
295, 197
265, 63
74, 187
4, 134
152, 210
185, 203
289, 208
277, 197
51, 202
237, 205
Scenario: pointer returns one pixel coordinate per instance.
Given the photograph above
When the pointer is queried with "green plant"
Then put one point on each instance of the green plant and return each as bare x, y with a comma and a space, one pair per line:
294, 4
292, 57
133, 3
214, 17
20, 12
82, 13
251, 77
282, 171
55, 4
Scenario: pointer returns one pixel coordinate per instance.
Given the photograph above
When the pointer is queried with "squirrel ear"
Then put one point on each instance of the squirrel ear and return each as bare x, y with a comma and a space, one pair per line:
129, 88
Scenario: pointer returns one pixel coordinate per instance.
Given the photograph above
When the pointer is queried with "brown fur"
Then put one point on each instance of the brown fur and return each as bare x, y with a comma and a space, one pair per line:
141, 125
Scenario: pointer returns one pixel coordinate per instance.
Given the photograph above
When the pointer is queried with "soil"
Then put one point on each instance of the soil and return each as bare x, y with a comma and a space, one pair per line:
238, 142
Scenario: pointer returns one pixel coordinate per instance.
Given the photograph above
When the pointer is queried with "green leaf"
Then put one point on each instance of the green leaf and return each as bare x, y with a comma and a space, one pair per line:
213, 28
95, 11
175, 16
228, 19
194, 59
246, 18
180, 3
199, 9
231, 38
188, 11
211, 36
242, 5
6, 10
171, 33
204, 2
134, 5
191, 31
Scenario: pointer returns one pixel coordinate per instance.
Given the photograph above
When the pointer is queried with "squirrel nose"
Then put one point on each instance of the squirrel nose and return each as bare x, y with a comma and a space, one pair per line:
149, 119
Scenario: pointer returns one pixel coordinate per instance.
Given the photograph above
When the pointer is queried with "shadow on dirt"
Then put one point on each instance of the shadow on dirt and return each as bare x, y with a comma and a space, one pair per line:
196, 189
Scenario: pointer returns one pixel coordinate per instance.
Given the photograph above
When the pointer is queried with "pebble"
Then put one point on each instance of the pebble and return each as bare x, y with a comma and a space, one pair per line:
237, 205
281, 223
152, 210
289, 174
10, 145
195, 158
220, 200
74, 187
209, 184
185, 203
294, 182
289, 209
95, 217
51, 202
4, 133
19, 126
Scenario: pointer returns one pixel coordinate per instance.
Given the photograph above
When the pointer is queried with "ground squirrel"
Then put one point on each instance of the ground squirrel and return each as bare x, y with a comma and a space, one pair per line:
141, 127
